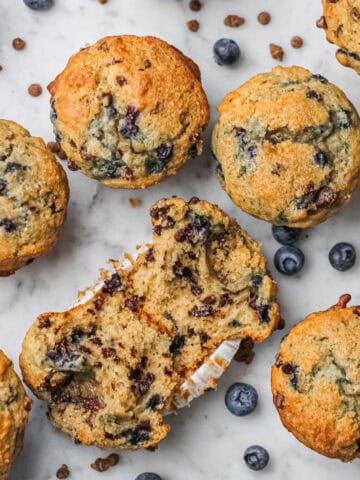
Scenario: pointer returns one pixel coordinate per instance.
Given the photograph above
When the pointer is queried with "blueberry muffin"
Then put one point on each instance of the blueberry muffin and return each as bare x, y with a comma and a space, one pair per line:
288, 147
14, 412
203, 281
129, 111
111, 367
33, 198
341, 22
316, 381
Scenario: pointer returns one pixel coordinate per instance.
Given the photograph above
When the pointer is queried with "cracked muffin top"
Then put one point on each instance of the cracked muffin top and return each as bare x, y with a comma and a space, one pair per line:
341, 22
129, 111
316, 381
111, 367
288, 147
14, 412
33, 197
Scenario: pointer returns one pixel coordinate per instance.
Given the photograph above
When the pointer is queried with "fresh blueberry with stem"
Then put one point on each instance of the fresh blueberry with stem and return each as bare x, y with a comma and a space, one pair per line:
286, 235
148, 476
289, 260
342, 256
256, 457
39, 4
241, 399
226, 51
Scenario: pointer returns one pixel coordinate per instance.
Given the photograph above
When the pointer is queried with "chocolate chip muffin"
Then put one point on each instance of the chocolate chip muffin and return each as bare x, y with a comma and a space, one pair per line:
33, 198
341, 22
316, 381
129, 111
288, 147
111, 367
14, 412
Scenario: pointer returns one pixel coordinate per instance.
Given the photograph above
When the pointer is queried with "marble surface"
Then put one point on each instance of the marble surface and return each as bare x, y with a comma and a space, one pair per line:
206, 441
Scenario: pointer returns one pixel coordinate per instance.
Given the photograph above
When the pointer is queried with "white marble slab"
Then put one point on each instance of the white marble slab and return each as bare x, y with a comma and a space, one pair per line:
206, 442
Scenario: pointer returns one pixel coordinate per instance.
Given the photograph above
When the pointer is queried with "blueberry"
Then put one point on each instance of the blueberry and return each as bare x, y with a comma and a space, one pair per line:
241, 399
39, 4
148, 476
342, 256
289, 260
226, 51
286, 235
256, 457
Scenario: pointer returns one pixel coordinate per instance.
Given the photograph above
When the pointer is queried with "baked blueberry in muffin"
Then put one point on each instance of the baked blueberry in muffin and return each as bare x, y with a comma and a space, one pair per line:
341, 22
316, 381
129, 111
287, 145
111, 367
34, 195
14, 411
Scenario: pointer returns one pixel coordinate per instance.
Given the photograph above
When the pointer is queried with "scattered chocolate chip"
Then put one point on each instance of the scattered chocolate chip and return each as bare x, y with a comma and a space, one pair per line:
288, 368
18, 44
35, 90
264, 18
63, 472
54, 147
121, 80
103, 464
311, 94
234, 21
225, 299
196, 290
134, 303
102, 1
193, 25
8, 225
150, 255
195, 5
245, 352
210, 300
296, 42
276, 52
321, 23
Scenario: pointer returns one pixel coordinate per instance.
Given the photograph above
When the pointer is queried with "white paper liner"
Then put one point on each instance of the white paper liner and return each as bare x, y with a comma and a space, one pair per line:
206, 376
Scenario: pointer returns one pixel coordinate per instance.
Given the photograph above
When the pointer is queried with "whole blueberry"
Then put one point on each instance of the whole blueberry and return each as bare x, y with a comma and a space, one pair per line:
241, 399
286, 235
148, 476
226, 51
289, 260
39, 4
342, 256
256, 457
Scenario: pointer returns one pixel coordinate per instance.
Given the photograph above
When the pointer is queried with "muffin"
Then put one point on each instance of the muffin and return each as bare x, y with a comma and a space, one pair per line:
341, 22
14, 412
316, 381
33, 198
129, 111
288, 147
111, 367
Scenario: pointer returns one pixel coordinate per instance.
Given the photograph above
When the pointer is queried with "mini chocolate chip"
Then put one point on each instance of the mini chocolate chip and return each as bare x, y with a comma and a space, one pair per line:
234, 21
245, 351
321, 23
205, 311
177, 345
35, 90
193, 25
103, 464
288, 368
121, 80
18, 44
314, 95
276, 52
296, 42
323, 159
325, 198
195, 5
113, 284
8, 225
3, 187
225, 299
196, 290
279, 400
134, 303
44, 322
63, 472
264, 18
